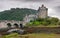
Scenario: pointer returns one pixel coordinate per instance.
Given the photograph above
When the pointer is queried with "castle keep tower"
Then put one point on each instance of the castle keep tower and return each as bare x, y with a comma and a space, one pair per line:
42, 12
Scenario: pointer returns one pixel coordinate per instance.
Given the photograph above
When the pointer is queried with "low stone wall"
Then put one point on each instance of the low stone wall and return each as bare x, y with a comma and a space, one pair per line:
44, 30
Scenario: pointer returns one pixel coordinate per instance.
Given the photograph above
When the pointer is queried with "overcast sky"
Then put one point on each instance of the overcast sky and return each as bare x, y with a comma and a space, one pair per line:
52, 5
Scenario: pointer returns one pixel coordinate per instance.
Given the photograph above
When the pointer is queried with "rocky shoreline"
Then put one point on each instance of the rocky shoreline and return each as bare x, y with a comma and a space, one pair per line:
44, 30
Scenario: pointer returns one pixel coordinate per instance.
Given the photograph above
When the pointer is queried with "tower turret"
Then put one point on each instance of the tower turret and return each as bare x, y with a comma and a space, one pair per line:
42, 12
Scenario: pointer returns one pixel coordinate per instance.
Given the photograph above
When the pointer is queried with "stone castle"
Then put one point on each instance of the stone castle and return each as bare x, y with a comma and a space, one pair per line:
42, 13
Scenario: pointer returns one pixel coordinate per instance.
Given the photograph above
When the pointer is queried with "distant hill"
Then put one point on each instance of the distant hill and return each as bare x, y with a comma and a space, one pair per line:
16, 13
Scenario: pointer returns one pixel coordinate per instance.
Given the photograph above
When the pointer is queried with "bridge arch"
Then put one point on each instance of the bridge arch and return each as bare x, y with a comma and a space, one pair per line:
9, 25
16, 25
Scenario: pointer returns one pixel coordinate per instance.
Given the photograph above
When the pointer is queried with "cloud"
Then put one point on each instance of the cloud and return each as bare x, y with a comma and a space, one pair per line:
37, 0
54, 5
55, 11
57, 8
34, 0
30, 0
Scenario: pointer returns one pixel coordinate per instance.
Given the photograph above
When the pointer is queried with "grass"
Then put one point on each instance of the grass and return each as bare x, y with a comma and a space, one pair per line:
44, 36
44, 26
34, 35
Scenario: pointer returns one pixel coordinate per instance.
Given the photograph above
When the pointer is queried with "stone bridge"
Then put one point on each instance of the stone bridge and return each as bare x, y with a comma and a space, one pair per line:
3, 23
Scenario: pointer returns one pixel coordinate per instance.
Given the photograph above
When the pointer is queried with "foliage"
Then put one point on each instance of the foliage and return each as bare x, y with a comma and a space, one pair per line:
58, 23
16, 13
45, 22
54, 20
13, 35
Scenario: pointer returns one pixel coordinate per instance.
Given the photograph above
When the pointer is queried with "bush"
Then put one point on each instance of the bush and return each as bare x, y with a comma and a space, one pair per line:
45, 22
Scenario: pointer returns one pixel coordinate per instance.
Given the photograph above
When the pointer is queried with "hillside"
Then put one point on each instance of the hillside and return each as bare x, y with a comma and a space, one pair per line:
16, 13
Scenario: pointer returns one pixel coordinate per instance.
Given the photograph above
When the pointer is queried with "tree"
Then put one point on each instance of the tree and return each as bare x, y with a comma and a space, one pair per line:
54, 20
58, 23
40, 19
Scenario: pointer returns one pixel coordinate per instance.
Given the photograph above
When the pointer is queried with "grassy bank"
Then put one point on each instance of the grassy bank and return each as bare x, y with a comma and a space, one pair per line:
43, 26
40, 35
44, 36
